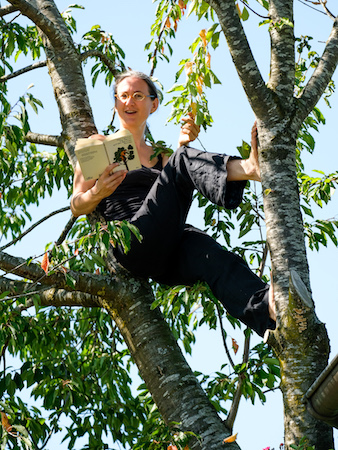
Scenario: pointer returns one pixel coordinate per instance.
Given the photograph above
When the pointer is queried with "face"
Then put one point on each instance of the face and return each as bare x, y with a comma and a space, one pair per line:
134, 114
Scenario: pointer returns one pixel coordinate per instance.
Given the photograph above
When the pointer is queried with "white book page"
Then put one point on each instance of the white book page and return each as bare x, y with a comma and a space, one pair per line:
92, 158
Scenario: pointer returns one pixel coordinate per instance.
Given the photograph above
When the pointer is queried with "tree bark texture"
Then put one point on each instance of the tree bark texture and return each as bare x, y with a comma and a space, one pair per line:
174, 388
300, 341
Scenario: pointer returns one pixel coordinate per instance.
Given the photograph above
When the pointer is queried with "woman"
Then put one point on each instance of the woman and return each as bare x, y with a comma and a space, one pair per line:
157, 199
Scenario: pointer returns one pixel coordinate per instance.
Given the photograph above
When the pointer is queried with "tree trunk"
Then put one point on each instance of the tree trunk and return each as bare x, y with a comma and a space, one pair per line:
300, 342
174, 388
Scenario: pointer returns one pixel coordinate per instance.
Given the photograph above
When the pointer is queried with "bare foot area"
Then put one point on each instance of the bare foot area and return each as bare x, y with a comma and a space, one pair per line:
272, 306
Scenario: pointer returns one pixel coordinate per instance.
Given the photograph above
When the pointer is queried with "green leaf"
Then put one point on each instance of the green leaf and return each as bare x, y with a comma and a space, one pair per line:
245, 14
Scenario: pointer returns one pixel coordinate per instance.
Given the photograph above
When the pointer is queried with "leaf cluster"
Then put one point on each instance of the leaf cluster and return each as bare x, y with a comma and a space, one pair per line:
253, 377
98, 39
167, 16
79, 370
155, 434
314, 190
87, 248
26, 174
68, 18
16, 40
190, 97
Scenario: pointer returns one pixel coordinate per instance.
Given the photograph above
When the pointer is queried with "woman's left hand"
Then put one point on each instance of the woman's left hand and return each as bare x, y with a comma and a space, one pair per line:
189, 131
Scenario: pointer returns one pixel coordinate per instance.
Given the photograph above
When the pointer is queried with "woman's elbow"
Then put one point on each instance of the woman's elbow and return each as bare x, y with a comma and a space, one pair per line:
74, 210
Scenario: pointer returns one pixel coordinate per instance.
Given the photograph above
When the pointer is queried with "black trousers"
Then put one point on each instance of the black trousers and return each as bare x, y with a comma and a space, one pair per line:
172, 252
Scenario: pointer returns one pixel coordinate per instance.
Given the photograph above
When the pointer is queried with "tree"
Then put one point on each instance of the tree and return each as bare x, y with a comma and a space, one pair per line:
78, 383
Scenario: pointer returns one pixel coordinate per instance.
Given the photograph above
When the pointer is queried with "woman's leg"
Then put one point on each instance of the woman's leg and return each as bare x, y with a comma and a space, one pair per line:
162, 216
174, 254
198, 257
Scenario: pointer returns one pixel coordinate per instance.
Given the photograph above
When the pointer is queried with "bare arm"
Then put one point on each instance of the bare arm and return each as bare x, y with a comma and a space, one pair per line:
246, 169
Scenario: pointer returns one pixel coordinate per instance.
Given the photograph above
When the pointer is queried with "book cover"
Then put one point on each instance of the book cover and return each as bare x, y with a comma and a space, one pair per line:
95, 155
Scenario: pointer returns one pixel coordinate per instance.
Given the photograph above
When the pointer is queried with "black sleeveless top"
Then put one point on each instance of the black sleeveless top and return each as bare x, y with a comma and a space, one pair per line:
123, 203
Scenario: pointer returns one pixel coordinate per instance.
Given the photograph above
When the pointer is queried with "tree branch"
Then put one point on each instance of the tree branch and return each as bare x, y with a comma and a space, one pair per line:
321, 76
8, 9
44, 139
259, 96
102, 57
46, 26
101, 285
33, 66
48, 296
14, 241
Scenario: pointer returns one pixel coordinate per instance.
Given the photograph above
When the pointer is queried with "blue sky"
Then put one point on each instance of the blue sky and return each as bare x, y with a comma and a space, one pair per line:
258, 426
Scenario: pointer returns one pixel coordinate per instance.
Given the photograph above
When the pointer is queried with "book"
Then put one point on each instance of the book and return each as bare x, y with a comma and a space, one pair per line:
95, 155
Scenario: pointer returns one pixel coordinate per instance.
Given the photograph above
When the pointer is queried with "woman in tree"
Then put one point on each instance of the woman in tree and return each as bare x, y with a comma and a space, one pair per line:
157, 198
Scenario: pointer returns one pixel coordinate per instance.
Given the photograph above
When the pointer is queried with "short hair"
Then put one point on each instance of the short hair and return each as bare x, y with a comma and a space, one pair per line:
153, 91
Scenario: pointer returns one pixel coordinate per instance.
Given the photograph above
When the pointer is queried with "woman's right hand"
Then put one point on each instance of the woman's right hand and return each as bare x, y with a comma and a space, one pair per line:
189, 130
108, 182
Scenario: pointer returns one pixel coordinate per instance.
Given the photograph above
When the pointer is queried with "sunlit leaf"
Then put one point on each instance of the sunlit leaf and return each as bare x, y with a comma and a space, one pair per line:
230, 439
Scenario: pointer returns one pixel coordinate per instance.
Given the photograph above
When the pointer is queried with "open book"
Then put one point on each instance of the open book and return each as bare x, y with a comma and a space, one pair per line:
94, 155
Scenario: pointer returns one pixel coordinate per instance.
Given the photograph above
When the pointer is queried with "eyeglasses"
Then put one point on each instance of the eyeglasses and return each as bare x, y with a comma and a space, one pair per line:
137, 96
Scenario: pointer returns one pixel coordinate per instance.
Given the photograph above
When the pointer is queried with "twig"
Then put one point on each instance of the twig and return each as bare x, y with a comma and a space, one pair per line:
34, 226
223, 335
252, 10
65, 231
102, 57
263, 261
238, 394
329, 13
33, 66
199, 140
156, 47
48, 437
312, 7
26, 293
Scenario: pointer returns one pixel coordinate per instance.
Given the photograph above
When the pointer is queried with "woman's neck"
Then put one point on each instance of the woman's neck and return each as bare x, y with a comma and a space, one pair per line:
138, 136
